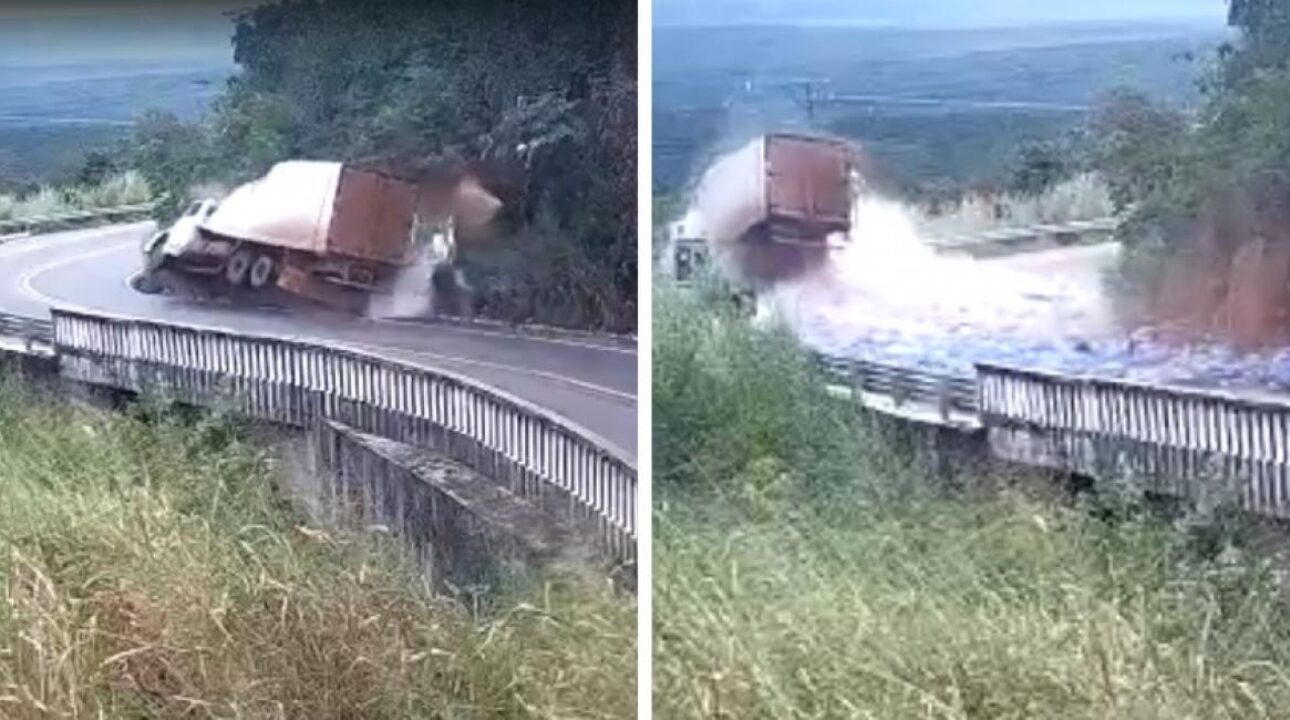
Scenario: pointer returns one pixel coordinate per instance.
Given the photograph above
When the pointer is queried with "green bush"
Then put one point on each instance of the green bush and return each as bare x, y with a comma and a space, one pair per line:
733, 404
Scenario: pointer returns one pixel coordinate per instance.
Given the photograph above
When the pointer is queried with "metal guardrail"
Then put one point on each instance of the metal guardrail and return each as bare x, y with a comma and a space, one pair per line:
1208, 421
1187, 443
905, 385
25, 328
538, 456
1014, 235
44, 222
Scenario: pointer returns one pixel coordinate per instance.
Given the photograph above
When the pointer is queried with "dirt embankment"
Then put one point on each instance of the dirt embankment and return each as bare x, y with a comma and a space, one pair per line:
1232, 279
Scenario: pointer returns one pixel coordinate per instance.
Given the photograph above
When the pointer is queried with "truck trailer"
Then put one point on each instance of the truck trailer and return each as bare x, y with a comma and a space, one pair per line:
325, 231
771, 208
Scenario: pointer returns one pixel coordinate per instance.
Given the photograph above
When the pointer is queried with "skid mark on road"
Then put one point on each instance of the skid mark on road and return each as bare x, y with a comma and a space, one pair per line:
599, 389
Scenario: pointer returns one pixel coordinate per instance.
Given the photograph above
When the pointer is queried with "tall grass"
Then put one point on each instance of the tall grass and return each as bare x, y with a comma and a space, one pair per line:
127, 188
150, 568
792, 584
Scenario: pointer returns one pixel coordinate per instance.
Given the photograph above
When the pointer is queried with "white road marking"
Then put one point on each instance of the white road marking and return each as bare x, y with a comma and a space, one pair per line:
518, 336
617, 394
26, 281
26, 285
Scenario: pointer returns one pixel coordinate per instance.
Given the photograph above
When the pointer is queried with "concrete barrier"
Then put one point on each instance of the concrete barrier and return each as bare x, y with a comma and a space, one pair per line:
562, 469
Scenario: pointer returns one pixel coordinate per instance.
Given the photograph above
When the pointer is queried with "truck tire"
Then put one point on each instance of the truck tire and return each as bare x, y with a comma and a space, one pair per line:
239, 266
262, 272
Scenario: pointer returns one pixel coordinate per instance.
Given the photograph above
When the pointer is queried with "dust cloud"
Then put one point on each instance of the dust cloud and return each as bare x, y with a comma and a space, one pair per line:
1218, 316
885, 281
412, 292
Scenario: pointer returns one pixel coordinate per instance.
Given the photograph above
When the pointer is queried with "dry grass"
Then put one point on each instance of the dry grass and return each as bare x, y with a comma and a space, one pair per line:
1083, 197
149, 568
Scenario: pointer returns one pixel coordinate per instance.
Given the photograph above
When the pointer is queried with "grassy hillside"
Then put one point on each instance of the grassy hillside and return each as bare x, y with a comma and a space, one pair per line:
804, 568
150, 568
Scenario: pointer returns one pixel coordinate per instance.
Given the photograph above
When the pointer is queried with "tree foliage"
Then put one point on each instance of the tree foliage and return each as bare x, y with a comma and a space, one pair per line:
1205, 185
1039, 166
538, 98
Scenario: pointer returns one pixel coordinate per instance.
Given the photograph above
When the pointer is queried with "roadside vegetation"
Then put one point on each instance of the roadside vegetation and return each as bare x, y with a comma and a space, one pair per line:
536, 99
1083, 196
150, 567
805, 567
123, 188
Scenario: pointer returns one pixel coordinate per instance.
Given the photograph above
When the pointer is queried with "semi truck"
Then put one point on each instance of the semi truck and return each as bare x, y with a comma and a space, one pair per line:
774, 208
326, 231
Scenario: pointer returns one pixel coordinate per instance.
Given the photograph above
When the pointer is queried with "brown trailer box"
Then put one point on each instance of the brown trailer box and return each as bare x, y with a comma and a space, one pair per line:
808, 183
799, 186
372, 217
769, 207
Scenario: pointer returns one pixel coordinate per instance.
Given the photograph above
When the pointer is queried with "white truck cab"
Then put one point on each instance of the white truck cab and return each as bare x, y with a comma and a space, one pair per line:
180, 236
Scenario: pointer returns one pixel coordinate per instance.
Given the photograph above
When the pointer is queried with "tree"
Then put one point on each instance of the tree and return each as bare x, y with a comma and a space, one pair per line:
1205, 189
1038, 167
536, 98
97, 166
173, 156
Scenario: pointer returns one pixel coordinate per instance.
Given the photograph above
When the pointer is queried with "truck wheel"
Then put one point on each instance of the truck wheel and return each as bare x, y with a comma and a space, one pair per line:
238, 267
262, 272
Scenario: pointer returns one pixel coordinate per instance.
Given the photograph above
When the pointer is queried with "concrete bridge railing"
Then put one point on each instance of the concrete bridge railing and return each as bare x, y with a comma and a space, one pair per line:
1186, 441
26, 329
537, 456
1203, 445
1203, 421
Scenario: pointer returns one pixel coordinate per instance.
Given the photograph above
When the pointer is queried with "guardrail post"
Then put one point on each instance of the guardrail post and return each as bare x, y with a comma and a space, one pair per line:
462, 415
900, 390
943, 398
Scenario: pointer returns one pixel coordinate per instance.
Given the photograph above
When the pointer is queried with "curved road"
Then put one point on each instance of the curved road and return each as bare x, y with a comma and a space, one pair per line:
588, 381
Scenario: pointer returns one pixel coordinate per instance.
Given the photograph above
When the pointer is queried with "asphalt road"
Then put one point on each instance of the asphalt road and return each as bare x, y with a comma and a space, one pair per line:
587, 381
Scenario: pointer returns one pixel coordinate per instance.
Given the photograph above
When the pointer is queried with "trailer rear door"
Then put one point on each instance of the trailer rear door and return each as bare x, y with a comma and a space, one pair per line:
807, 180
372, 217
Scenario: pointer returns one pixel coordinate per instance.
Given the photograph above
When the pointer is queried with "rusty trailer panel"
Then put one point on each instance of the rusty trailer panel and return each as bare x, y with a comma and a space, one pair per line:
808, 181
780, 181
372, 218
